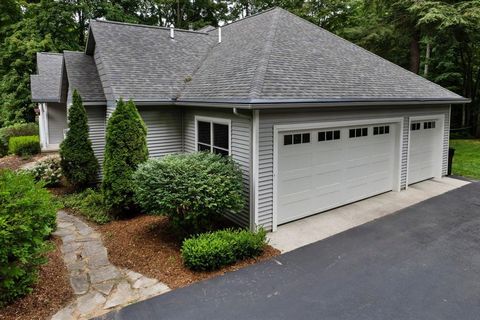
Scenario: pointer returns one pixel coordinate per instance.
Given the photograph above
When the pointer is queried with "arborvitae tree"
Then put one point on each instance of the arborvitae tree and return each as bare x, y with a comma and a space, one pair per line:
126, 148
78, 161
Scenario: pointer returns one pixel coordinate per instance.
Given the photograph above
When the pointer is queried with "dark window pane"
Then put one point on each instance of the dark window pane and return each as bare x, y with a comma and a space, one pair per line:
202, 147
412, 127
375, 131
382, 130
364, 132
387, 129
204, 132
352, 133
220, 135
220, 151
425, 125
297, 138
306, 138
336, 134
358, 132
321, 136
329, 135
287, 140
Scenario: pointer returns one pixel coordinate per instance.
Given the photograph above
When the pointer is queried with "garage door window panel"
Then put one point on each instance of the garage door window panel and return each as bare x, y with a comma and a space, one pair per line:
358, 132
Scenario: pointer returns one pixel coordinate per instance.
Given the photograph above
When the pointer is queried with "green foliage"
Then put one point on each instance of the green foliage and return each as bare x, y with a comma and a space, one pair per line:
126, 148
466, 161
16, 130
213, 250
24, 145
27, 217
191, 189
48, 171
78, 161
88, 203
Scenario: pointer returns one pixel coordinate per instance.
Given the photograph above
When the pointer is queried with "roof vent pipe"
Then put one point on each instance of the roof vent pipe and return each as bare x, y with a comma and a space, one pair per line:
172, 32
219, 34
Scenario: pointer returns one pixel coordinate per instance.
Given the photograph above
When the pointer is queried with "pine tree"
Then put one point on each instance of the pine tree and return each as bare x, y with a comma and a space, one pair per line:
126, 148
78, 161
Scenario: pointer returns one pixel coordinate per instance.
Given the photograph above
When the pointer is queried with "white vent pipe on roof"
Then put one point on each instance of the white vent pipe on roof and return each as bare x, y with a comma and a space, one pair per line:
219, 34
172, 32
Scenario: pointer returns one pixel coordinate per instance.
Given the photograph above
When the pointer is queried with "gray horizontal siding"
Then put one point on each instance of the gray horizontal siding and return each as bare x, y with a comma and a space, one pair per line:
270, 118
164, 130
96, 126
240, 149
57, 122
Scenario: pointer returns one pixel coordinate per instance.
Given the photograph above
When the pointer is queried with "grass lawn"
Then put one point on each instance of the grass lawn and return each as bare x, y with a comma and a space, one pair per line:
466, 161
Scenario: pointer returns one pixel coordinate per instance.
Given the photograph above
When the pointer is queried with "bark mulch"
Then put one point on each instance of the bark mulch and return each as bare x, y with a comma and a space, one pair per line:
145, 244
51, 293
15, 162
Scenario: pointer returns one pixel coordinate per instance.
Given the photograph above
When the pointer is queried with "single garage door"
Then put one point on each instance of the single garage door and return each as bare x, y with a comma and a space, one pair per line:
425, 150
322, 169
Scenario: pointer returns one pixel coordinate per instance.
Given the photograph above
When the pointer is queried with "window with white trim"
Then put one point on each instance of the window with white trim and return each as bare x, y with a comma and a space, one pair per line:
213, 136
415, 126
429, 125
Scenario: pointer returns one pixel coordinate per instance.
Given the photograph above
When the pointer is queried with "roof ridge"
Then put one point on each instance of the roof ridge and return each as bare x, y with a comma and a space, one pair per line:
369, 52
259, 76
139, 25
248, 17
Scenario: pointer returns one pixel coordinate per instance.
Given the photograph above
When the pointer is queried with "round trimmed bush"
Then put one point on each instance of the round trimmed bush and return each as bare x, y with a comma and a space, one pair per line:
27, 217
16, 130
24, 145
191, 189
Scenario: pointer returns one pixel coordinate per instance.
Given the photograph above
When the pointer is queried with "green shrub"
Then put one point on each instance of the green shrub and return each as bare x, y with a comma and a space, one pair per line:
126, 148
78, 162
191, 189
16, 130
210, 251
24, 145
88, 203
27, 217
48, 171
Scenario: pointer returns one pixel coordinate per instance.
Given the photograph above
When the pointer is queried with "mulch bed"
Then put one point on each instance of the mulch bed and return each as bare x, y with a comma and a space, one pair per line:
15, 162
145, 245
49, 295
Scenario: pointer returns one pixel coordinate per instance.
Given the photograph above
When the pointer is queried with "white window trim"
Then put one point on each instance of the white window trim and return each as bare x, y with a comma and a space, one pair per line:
213, 120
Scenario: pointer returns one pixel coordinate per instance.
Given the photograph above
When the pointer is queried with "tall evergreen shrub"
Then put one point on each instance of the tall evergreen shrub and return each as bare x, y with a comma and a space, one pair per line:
126, 148
78, 161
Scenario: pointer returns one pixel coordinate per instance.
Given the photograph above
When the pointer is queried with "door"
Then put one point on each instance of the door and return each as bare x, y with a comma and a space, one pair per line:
425, 151
321, 169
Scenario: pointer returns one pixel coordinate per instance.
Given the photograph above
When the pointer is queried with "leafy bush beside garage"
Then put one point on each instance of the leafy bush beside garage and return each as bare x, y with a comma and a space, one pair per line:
27, 217
191, 189
24, 145
213, 250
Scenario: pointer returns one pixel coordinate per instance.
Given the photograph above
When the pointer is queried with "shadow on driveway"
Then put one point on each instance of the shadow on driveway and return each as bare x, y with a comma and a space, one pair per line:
421, 263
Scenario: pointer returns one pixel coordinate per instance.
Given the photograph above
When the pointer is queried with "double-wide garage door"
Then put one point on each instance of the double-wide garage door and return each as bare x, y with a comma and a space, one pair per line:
326, 168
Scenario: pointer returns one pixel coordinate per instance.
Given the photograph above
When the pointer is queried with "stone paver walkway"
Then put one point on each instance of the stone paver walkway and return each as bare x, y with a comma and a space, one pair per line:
98, 285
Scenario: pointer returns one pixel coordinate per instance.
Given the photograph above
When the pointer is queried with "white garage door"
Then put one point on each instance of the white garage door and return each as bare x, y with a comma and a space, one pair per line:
425, 150
322, 169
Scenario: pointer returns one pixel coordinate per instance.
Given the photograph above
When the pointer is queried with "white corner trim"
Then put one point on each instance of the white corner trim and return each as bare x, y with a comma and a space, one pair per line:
213, 120
47, 133
255, 168
333, 124
441, 120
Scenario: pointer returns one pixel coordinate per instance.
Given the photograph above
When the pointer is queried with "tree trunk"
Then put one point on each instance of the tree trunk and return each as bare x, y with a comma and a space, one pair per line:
427, 59
415, 52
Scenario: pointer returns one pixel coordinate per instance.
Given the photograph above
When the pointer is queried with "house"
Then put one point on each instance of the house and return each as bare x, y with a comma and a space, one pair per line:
314, 121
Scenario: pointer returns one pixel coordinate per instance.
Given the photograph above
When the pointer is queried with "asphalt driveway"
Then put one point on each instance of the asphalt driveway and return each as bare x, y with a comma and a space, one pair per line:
421, 263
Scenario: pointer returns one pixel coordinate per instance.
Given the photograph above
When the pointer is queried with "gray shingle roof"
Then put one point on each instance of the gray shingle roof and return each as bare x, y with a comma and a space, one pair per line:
46, 85
143, 63
82, 75
272, 57
277, 56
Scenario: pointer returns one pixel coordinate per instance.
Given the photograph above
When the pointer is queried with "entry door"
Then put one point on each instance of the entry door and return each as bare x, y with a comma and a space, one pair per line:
425, 150
325, 168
